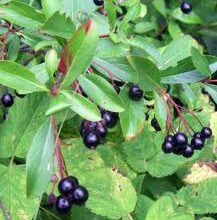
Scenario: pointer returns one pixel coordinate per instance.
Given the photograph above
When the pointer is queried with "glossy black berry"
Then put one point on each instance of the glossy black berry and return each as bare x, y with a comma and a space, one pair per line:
180, 139
206, 132
178, 149
186, 7
155, 124
197, 135
63, 204
188, 151
135, 93
110, 118
67, 185
7, 100
80, 195
91, 139
167, 147
169, 138
197, 143
98, 2
101, 129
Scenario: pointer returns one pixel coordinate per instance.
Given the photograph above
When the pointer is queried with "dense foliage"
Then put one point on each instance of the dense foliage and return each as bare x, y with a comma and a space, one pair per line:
108, 109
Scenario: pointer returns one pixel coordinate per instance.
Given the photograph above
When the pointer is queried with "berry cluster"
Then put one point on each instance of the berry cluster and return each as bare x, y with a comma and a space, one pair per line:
178, 143
186, 7
94, 132
70, 193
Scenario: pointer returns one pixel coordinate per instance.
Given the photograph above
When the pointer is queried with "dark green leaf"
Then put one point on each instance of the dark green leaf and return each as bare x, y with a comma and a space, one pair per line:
19, 77
39, 160
101, 92
76, 102
79, 52
132, 119
58, 25
200, 62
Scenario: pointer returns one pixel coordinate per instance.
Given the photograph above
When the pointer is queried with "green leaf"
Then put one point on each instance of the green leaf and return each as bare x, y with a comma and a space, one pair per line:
108, 49
132, 119
142, 207
160, 6
21, 14
140, 150
13, 48
191, 18
118, 68
200, 62
165, 208
25, 118
115, 198
111, 10
160, 110
58, 25
200, 197
79, 52
19, 77
150, 50
132, 13
149, 76
50, 7
39, 160
72, 8
212, 90
188, 76
177, 50
76, 102
101, 92
13, 194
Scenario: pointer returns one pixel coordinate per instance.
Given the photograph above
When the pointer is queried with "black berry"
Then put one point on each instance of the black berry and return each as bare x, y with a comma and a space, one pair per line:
197, 135
180, 139
155, 124
7, 100
135, 93
110, 118
178, 149
197, 143
206, 132
63, 204
101, 129
167, 147
80, 195
169, 138
67, 185
188, 151
91, 139
98, 2
186, 7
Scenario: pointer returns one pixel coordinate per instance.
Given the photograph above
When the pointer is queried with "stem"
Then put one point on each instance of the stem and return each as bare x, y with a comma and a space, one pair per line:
57, 147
